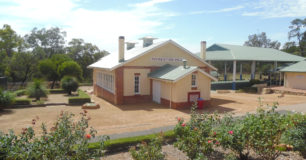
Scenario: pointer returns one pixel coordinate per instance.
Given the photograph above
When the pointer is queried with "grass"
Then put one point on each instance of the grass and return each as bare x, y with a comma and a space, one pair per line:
22, 101
124, 143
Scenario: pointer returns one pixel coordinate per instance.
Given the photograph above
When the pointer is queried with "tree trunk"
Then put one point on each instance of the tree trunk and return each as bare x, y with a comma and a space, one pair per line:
52, 85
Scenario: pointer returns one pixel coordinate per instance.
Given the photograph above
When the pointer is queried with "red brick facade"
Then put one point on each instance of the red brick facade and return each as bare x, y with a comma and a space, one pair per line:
137, 99
181, 105
107, 95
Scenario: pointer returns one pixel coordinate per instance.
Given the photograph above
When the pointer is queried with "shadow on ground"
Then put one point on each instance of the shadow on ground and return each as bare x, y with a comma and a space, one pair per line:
6, 111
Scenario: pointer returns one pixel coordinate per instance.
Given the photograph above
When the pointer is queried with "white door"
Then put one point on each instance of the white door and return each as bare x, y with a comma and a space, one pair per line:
156, 91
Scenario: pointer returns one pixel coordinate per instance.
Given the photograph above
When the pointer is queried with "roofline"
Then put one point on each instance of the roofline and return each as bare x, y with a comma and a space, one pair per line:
253, 60
294, 71
160, 45
184, 75
208, 75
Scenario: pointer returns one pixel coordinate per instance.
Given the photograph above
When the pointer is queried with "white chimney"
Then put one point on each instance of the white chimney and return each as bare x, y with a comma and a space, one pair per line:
147, 41
130, 45
121, 49
203, 50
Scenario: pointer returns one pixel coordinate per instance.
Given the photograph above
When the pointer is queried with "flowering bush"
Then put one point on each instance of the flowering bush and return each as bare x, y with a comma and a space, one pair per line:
296, 136
152, 151
233, 135
260, 132
67, 139
196, 137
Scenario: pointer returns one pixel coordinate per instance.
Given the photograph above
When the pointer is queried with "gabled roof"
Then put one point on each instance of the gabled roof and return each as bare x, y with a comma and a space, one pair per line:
111, 62
174, 73
297, 67
226, 52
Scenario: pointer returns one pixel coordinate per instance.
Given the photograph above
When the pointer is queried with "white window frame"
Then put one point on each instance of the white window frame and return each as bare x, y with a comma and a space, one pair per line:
194, 80
105, 81
138, 84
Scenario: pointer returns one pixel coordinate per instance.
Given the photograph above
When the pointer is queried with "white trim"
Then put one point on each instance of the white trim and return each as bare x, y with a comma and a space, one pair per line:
160, 45
195, 80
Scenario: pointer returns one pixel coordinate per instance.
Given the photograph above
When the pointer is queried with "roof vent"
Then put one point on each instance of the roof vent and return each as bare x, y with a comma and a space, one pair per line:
147, 41
185, 63
130, 45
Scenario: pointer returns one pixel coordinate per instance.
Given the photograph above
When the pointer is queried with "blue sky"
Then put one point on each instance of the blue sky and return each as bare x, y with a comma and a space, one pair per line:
186, 21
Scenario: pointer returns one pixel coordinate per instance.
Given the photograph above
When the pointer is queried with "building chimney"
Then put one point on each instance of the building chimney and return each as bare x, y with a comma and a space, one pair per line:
130, 45
147, 41
121, 49
203, 50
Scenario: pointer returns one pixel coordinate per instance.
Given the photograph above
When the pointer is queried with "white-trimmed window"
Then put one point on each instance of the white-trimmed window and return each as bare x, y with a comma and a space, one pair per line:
193, 80
105, 81
136, 84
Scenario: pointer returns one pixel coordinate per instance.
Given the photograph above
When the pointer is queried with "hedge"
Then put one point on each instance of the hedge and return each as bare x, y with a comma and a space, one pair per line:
22, 101
121, 144
20, 92
80, 99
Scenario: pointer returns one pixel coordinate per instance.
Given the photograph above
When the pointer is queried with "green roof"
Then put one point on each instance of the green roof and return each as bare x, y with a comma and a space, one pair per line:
171, 73
225, 52
297, 67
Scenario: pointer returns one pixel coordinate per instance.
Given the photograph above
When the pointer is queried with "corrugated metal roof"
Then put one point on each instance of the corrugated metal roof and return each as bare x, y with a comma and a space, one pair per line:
175, 73
171, 73
297, 67
225, 52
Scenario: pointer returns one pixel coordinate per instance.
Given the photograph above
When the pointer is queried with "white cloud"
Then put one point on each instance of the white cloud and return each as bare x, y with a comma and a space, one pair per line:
218, 10
150, 3
277, 8
100, 27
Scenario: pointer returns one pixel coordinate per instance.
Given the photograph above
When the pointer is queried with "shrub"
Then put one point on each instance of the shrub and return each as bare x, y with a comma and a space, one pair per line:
69, 84
6, 98
233, 135
151, 150
67, 139
70, 68
22, 101
20, 92
37, 90
296, 136
196, 138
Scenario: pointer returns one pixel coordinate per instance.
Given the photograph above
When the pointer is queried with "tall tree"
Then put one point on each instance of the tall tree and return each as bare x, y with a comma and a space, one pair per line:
291, 47
22, 66
46, 42
84, 54
9, 40
298, 31
49, 67
261, 40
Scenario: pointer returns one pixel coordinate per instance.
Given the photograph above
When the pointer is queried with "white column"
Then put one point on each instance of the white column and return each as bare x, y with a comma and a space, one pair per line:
275, 66
234, 71
253, 70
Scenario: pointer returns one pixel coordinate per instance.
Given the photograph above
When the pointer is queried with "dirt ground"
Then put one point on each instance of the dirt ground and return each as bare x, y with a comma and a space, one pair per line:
111, 119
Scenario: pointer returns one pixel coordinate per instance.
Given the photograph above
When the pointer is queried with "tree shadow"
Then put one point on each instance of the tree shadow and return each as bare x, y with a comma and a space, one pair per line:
149, 106
6, 111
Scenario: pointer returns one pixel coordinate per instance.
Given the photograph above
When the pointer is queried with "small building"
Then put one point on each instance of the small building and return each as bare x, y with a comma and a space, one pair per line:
244, 54
295, 75
163, 72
